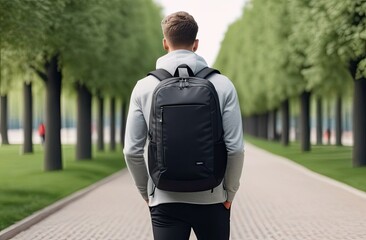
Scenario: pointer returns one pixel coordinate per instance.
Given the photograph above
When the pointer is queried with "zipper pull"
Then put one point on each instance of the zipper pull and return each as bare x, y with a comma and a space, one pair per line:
186, 84
161, 114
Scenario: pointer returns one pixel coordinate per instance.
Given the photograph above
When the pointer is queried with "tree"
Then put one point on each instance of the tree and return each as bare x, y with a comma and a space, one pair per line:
279, 50
32, 26
27, 117
319, 121
256, 56
338, 51
83, 144
4, 120
9, 77
78, 43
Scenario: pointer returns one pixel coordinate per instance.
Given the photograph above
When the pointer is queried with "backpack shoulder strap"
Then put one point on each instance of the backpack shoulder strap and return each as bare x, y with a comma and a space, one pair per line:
160, 74
204, 73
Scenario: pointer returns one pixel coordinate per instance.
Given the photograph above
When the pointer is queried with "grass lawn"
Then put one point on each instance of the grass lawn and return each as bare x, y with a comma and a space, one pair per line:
332, 161
25, 187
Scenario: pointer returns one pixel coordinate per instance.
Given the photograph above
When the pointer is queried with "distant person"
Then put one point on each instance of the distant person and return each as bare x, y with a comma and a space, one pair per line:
42, 132
327, 135
175, 213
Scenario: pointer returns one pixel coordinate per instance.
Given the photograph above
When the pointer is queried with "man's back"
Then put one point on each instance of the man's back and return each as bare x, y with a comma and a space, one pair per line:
174, 214
142, 96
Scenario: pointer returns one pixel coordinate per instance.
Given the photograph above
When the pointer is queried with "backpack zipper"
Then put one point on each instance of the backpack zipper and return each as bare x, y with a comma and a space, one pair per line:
161, 129
161, 117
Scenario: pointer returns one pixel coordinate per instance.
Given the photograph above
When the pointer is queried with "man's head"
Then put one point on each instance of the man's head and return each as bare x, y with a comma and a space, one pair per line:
180, 31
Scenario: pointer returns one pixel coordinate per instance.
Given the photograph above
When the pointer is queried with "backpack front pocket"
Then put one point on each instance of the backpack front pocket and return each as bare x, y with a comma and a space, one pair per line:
187, 142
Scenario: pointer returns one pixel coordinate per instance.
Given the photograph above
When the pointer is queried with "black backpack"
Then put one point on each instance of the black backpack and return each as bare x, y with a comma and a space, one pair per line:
186, 151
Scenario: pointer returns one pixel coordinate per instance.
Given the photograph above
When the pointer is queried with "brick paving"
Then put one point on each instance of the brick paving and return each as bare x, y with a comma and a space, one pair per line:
277, 201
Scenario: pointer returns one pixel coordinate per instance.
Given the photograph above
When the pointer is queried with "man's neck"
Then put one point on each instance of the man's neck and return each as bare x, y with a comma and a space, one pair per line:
171, 49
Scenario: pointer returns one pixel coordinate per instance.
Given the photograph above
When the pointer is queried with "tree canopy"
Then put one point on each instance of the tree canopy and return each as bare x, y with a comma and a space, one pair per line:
105, 45
283, 49
278, 49
98, 47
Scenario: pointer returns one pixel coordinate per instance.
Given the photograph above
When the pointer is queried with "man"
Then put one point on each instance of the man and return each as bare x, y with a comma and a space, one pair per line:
174, 214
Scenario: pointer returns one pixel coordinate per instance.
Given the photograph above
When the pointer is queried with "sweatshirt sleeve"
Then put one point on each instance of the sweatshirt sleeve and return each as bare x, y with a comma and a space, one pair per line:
135, 139
233, 136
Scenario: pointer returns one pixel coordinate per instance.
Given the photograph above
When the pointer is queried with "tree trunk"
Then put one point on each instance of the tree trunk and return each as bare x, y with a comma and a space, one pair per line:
245, 123
53, 152
253, 125
319, 121
84, 133
285, 111
100, 124
113, 124
263, 126
27, 117
359, 123
248, 123
123, 122
4, 119
305, 122
338, 121
256, 125
272, 127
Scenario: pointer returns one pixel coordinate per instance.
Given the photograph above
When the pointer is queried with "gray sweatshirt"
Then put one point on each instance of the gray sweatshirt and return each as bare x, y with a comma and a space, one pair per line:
136, 140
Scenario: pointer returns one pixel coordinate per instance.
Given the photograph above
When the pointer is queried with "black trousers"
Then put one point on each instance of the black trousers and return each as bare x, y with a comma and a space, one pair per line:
175, 221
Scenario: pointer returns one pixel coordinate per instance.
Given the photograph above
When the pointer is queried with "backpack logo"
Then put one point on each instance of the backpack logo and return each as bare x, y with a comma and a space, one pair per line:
186, 151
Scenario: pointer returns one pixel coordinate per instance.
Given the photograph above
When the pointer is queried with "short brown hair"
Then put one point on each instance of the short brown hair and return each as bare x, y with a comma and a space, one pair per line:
180, 28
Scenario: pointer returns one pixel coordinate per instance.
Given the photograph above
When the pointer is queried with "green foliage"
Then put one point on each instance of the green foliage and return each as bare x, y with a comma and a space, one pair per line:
104, 44
255, 57
110, 43
8, 69
133, 44
25, 188
327, 73
280, 48
24, 23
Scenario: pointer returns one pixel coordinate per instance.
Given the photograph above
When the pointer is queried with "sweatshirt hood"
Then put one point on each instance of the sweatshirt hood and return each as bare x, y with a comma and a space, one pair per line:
173, 59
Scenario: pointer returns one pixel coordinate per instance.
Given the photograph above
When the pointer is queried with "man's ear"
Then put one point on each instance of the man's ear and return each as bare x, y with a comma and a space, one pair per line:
165, 45
195, 45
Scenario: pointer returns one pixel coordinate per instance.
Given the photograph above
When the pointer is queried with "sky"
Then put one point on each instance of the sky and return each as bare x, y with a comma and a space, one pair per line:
213, 18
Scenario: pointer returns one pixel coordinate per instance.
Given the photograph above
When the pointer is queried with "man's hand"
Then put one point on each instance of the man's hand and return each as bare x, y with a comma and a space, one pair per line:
227, 205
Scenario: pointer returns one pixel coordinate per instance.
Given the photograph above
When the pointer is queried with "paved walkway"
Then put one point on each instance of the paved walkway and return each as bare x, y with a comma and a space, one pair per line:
277, 200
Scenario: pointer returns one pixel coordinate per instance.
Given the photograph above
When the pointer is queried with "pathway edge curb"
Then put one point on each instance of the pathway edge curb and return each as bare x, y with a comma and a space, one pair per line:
316, 175
38, 216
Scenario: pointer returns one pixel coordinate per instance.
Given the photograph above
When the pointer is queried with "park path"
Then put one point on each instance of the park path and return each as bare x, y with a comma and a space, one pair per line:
277, 200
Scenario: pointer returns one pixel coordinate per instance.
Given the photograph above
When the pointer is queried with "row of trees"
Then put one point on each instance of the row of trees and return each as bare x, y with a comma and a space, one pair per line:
283, 50
98, 48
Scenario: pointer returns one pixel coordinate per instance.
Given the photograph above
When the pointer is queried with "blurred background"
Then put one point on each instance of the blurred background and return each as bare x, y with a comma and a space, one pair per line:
299, 67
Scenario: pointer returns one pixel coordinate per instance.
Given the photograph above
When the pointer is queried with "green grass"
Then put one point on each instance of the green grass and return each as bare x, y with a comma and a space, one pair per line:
332, 161
25, 187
